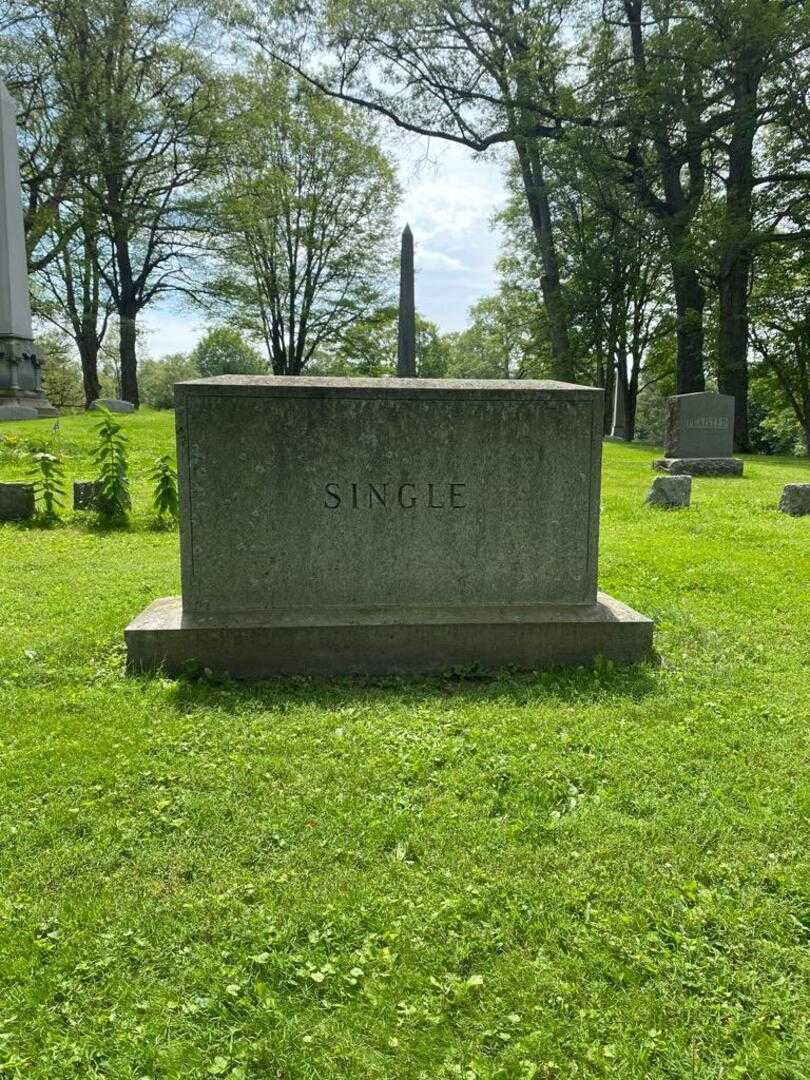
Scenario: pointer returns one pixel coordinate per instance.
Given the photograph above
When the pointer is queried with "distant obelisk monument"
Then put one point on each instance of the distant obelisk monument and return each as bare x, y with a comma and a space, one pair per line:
21, 393
619, 429
406, 351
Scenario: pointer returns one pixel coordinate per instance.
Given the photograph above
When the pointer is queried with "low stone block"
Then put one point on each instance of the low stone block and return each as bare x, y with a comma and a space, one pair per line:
113, 404
670, 492
16, 502
725, 466
420, 640
795, 499
18, 412
84, 494
339, 526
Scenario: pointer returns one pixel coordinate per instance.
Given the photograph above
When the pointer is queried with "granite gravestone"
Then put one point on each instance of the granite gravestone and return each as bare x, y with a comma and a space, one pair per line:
699, 437
114, 405
21, 393
17, 502
795, 499
382, 525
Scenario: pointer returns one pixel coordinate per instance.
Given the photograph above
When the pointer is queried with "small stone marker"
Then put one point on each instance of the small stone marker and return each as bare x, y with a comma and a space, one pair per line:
84, 494
670, 492
16, 502
113, 404
700, 436
18, 412
795, 499
342, 525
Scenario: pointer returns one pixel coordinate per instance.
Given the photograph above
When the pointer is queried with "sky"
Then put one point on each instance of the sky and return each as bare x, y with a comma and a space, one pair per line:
449, 197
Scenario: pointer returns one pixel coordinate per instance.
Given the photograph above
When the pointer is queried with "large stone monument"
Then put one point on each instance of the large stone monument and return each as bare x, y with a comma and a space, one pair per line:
20, 361
618, 430
333, 525
700, 436
406, 336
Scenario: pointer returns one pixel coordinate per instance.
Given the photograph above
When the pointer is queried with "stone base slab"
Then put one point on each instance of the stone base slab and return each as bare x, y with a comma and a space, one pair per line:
724, 466
39, 406
391, 642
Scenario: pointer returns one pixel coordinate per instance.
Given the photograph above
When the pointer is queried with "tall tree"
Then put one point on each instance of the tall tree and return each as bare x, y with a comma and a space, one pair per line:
301, 224
149, 127
119, 133
480, 73
762, 48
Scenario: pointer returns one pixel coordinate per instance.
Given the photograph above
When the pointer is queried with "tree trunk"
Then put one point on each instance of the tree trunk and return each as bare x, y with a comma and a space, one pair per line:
735, 244
690, 300
129, 359
732, 343
534, 186
88, 354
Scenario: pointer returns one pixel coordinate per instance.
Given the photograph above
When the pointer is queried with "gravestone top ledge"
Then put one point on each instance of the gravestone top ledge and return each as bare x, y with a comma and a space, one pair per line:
342, 386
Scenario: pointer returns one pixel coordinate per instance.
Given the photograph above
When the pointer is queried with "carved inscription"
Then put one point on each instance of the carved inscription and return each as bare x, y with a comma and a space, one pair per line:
362, 495
708, 423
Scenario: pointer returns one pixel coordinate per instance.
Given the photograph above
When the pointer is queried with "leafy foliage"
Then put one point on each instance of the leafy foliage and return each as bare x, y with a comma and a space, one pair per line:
157, 378
224, 351
113, 500
48, 475
164, 477
300, 218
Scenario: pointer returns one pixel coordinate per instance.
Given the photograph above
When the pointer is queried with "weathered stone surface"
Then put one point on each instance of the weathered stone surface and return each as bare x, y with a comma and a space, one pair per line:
387, 524
795, 499
84, 494
699, 425
426, 640
16, 502
726, 466
618, 431
20, 361
670, 492
406, 339
302, 493
18, 412
113, 404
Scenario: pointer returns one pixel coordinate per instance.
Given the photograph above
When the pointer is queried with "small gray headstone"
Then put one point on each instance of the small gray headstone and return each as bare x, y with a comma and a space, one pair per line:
16, 502
113, 404
795, 499
699, 425
84, 494
670, 492
18, 412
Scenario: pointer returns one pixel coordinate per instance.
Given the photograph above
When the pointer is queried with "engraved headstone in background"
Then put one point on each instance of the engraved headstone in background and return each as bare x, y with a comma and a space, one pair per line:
699, 437
699, 425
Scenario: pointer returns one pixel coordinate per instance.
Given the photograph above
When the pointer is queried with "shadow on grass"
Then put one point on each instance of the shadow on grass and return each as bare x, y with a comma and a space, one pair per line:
567, 685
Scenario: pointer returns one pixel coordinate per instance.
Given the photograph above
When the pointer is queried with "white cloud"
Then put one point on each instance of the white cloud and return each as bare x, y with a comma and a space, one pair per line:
169, 329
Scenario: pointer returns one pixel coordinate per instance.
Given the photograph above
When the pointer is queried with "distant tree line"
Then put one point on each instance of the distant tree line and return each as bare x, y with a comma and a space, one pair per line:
656, 234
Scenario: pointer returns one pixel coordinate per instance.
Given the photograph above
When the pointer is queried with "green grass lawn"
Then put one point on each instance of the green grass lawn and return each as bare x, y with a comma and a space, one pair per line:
570, 874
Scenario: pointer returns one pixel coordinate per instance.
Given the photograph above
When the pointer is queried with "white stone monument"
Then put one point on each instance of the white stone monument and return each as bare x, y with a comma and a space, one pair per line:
20, 361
